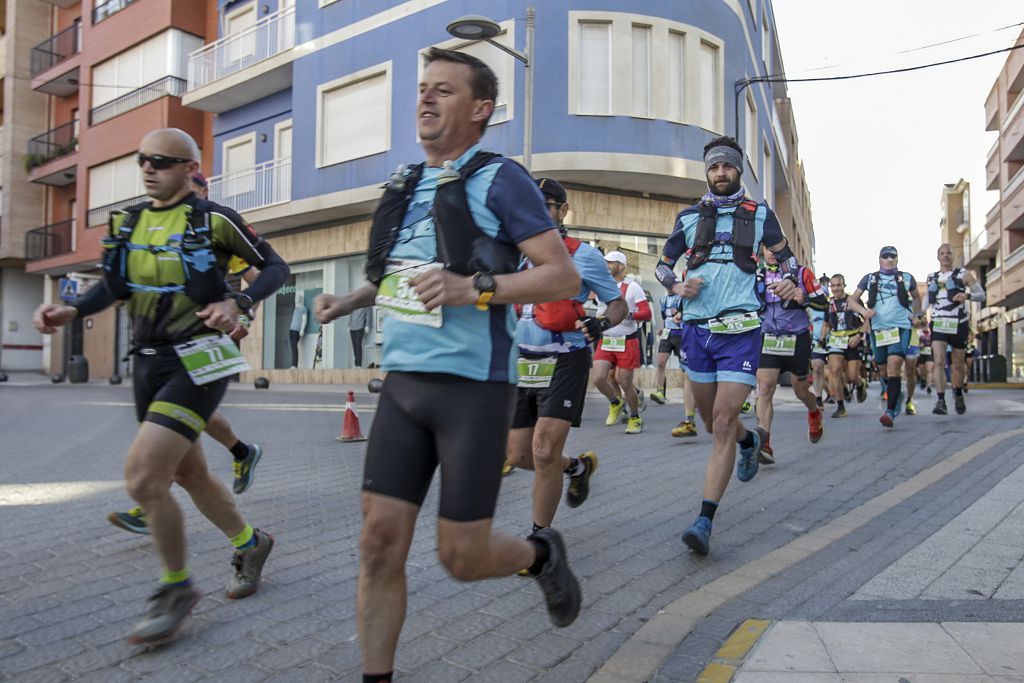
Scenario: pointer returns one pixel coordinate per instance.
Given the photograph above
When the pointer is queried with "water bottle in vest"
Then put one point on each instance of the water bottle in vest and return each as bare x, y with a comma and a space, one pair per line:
204, 283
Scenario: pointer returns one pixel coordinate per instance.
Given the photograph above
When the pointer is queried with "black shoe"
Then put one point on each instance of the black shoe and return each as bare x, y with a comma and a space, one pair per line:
817, 402
840, 412
862, 391
940, 408
961, 405
561, 589
579, 485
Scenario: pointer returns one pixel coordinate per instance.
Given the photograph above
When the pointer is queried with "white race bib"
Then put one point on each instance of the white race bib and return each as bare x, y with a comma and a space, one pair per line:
887, 337
945, 325
784, 345
208, 359
398, 299
613, 344
536, 373
735, 324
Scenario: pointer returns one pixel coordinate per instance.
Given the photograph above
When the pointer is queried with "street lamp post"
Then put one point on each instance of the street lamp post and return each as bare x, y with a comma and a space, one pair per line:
477, 28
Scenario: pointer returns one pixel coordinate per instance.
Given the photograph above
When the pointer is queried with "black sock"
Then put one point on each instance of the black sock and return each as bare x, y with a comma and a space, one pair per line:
543, 553
614, 401
632, 414
893, 392
240, 450
536, 528
378, 678
747, 441
958, 391
708, 509
841, 404
942, 395
575, 468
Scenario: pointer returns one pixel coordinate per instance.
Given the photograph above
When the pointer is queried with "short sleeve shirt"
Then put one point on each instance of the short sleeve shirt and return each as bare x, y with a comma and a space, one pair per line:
889, 313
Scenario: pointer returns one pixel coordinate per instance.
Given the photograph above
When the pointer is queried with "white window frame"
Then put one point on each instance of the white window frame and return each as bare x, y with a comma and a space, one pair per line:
239, 45
278, 127
719, 109
576, 83
683, 76
236, 186
384, 68
751, 139
768, 174
283, 174
647, 110
766, 44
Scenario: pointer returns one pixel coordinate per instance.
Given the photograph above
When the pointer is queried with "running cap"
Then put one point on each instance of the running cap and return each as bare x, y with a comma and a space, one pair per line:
552, 189
887, 252
616, 257
725, 155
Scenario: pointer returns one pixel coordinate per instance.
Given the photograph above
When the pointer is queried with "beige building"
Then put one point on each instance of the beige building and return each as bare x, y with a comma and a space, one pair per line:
997, 252
792, 198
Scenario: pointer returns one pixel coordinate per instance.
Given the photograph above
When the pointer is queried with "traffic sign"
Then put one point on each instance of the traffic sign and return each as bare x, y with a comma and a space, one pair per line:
68, 289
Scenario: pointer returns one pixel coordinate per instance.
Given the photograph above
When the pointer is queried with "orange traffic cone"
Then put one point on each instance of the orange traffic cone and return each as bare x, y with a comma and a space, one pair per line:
350, 430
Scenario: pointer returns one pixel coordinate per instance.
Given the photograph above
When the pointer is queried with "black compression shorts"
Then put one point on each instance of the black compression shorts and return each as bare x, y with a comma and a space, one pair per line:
428, 419
563, 400
799, 364
167, 396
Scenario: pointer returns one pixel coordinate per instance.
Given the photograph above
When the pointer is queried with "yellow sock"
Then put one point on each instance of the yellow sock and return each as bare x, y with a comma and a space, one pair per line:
244, 539
179, 576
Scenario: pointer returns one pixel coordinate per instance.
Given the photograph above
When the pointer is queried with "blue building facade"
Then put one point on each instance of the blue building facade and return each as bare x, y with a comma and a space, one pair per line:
315, 107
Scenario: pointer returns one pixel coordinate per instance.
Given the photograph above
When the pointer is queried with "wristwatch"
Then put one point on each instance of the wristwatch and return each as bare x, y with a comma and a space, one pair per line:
242, 300
486, 285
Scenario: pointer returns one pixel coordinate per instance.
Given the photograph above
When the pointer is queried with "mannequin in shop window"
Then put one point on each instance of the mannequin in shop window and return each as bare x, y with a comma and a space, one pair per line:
357, 324
298, 326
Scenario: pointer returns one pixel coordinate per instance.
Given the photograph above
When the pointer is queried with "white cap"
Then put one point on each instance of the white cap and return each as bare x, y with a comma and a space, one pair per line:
616, 256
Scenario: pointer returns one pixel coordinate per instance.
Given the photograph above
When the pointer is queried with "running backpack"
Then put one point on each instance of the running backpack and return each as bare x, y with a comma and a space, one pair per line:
957, 282
901, 289
741, 239
560, 316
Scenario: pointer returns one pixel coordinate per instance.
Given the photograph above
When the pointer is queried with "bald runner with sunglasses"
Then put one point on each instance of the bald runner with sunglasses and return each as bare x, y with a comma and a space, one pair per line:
180, 373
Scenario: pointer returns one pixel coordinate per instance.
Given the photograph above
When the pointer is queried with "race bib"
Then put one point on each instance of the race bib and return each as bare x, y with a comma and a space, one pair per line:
838, 342
397, 298
784, 345
664, 333
735, 324
613, 344
536, 373
887, 337
945, 325
208, 359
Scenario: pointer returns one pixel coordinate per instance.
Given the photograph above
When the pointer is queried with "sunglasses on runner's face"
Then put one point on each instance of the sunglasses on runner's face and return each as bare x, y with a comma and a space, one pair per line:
159, 161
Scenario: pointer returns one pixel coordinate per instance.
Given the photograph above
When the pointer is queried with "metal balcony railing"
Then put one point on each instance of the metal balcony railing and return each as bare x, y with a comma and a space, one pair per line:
271, 35
107, 9
53, 144
264, 184
50, 240
100, 214
56, 48
168, 85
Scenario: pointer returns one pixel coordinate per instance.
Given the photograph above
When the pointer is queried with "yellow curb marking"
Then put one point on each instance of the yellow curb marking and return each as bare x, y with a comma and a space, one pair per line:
735, 648
716, 673
626, 665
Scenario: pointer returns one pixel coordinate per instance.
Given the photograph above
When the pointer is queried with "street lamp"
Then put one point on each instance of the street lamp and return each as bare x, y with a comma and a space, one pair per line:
478, 28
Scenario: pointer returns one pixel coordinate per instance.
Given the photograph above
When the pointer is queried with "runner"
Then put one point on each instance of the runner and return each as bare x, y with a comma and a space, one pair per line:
670, 342
925, 365
722, 338
948, 291
554, 371
447, 279
786, 347
619, 350
843, 339
819, 354
892, 307
910, 367
176, 313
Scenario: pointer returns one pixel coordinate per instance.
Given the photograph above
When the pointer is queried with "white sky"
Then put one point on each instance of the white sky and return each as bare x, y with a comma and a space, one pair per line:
877, 151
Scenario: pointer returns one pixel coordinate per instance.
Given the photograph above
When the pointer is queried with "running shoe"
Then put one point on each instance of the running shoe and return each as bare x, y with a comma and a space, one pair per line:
248, 566
641, 401
846, 394
134, 521
168, 609
614, 410
815, 428
747, 467
862, 391
698, 537
561, 588
767, 455
635, 425
921, 383
245, 470
887, 418
940, 408
840, 411
685, 428
818, 402
910, 408
579, 485
745, 408
960, 404
507, 468
929, 389
658, 397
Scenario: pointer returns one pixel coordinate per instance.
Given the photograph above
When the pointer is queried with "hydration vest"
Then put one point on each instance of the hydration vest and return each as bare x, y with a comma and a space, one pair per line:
741, 239
560, 316
850, 318
958, 287
462, 246
204, 280
901, 289
761, 288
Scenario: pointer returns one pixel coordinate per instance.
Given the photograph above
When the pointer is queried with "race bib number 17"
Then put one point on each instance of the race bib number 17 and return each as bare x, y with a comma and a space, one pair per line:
208, 359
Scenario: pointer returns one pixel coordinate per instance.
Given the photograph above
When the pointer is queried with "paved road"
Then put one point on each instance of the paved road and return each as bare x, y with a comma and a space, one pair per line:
835, 529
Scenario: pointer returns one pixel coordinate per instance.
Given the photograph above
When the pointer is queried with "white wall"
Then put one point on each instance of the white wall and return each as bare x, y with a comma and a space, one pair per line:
19, 296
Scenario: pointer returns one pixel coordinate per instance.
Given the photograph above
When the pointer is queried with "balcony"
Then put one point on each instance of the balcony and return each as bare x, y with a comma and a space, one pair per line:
51, 53
101, 214
50, 240
168, 85
263, 185
53, 144
243, 67
992, 167
1012, 203
104, 10
63, 4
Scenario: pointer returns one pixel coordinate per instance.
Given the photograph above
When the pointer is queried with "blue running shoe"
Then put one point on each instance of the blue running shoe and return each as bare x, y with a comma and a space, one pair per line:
698, 537
746, 468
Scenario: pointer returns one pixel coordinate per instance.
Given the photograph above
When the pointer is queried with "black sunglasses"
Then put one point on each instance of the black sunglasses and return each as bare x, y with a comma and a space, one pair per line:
887, 254
159, 161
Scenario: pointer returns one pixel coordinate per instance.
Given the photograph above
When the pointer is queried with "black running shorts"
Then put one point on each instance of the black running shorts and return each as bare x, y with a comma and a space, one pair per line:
799, 364
563, 400
428, 419
673, 344
955, 341
167, 396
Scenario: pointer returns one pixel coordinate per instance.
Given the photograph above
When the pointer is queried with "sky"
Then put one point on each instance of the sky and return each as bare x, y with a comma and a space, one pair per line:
877, 151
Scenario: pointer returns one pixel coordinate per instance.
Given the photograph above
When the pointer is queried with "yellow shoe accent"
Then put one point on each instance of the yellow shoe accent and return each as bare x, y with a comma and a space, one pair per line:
685, 428
614, 410
507, 468
635, 425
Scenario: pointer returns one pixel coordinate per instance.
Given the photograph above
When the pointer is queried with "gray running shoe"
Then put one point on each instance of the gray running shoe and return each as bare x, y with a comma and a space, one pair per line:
134, 520
245, 470
561, 589
169, 607
248, 566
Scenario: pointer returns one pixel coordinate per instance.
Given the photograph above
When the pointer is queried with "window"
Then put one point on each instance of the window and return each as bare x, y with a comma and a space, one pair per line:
239, 159
354, 116
641, 71
767, 176
750, 139
676, 75
243, 47
710, 88
766, 44
161, 56
595, 68
282, 180
114, 181
501, 63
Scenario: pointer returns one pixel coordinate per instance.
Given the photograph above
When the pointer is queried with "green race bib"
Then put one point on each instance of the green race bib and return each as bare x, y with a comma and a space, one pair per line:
735, 324
887, 337
614, 344
536, 373
784, 345
207, 359
397, 298
945, 325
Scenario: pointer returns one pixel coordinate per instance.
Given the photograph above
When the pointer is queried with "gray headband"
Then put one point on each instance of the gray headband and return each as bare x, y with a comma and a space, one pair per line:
725, 155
